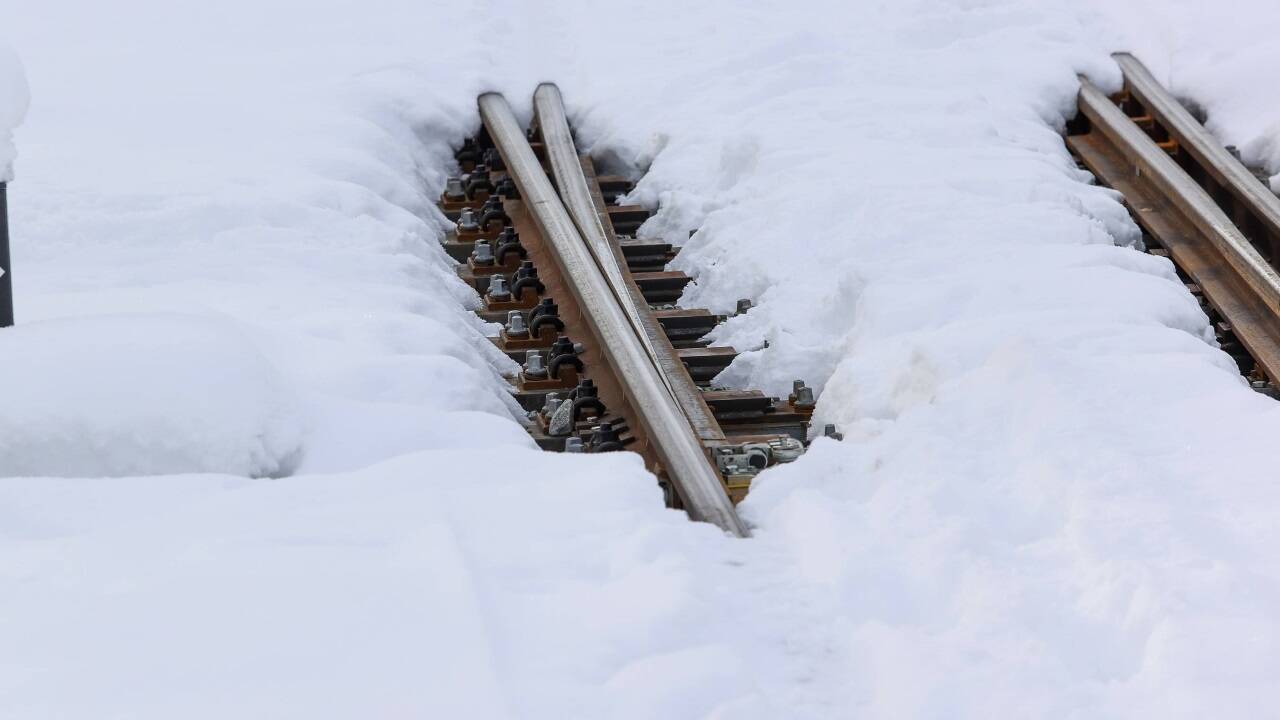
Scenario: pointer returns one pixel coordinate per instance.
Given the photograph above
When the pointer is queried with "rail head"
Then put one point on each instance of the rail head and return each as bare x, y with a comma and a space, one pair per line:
1191, 199
587, 209
1203, 147
572, 186
682, 456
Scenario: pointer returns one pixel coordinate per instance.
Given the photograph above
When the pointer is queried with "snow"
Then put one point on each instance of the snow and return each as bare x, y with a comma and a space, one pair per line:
125, 394
1054, 497
13, 106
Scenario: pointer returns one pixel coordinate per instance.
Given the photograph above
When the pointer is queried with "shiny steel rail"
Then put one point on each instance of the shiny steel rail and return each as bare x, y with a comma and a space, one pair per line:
548, 106
572, 185
1207, 153
1171, 205
682, 456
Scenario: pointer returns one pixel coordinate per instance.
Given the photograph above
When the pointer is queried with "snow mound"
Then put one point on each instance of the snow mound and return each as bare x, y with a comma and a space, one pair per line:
141, 394
428, 586
13, 107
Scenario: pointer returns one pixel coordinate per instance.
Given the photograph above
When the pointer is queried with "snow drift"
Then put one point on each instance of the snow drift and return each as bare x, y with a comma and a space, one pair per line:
141, 394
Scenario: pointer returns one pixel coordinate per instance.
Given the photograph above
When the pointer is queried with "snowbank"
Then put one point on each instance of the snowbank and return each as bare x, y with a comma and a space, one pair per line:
13, 106
141, 394
422, 587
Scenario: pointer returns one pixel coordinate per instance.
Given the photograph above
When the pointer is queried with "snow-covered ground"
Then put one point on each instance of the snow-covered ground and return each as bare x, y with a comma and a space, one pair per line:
292, 486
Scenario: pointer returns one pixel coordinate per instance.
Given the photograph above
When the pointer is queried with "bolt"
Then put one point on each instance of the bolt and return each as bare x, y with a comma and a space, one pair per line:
467, 221
546, 306
507, 235
744, 305
516, 326
573, 445
602, 434
830, 431
586, 388
498, 289
551, 403
453, 189
533, 365
562, 346
482, 254
801, 395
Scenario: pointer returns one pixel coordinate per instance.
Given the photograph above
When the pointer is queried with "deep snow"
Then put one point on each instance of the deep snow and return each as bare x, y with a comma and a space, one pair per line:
1054, 497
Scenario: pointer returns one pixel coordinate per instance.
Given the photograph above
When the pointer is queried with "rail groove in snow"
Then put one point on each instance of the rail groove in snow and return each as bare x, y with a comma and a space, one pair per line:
1196, 204
608, 360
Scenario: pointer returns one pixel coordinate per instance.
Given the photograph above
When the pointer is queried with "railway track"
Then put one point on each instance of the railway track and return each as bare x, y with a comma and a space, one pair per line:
587, 308
609, 362
1197, 204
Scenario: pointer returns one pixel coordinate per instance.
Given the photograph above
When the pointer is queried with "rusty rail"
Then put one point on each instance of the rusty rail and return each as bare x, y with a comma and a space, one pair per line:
682, 456
1188, 193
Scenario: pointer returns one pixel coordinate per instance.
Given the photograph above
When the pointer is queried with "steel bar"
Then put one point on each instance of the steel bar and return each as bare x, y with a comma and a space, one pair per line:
682, 456
572, 186
580, 201
1190, 199
6, 268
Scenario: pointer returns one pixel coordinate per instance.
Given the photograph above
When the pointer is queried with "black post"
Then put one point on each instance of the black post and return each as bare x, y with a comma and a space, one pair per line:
6, 280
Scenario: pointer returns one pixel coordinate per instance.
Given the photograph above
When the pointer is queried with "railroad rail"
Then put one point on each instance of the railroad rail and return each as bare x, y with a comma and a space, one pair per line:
587, 307
1196, 203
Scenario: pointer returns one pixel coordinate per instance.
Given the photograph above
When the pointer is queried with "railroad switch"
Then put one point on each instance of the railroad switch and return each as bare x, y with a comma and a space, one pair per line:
739, 464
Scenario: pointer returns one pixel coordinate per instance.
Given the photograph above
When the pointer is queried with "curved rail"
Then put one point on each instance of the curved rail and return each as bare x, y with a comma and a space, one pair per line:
548, 106
572, 185
683, 458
